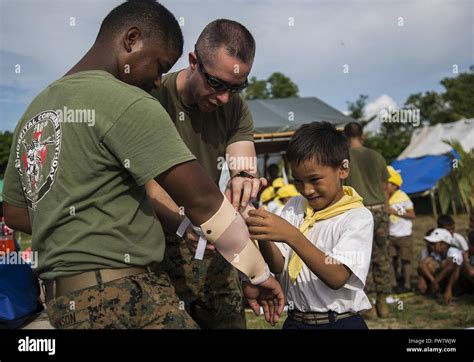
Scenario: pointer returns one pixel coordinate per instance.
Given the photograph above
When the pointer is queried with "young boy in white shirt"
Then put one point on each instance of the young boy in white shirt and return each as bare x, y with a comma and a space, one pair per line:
401, 213
321, 245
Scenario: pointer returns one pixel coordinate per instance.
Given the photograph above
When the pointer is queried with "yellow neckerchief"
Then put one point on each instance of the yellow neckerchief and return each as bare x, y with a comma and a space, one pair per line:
397, 197
350, 200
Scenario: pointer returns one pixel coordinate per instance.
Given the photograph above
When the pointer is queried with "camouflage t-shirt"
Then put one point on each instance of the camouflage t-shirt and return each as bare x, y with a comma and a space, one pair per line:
80, 156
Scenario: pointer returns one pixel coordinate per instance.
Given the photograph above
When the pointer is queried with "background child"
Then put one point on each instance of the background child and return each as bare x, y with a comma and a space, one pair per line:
321, 245
401, 242
447, 222
436, 270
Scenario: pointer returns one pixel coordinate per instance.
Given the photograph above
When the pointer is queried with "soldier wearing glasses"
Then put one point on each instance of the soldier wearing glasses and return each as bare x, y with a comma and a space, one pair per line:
214, 121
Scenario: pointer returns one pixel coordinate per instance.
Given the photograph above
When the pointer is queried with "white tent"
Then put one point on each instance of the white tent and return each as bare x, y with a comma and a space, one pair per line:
429, 140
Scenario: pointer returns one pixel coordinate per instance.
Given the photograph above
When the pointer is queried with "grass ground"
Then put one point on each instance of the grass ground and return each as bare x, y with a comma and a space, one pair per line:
415, 311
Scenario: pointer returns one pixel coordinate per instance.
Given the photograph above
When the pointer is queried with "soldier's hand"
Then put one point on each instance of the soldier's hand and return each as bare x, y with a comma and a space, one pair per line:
267, 295
240, 190
192, 239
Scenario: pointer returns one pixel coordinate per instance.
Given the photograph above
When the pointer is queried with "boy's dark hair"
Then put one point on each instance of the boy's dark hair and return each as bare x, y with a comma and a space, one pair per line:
152, 18
319, 141
353, 130
445, 220
235, 37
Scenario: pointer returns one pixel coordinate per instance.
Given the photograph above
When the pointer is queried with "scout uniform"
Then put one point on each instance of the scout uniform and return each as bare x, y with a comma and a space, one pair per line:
83, 183
401, 241
209, 288
342, 231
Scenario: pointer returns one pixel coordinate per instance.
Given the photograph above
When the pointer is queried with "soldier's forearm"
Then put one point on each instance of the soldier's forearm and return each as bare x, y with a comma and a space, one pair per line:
165, 208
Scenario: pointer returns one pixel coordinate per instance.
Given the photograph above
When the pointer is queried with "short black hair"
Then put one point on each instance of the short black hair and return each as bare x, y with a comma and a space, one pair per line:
152, 18
445, 220
235, 37
353, 130
319, 141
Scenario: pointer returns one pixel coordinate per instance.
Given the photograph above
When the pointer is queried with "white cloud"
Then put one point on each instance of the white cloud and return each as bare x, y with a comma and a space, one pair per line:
373, 109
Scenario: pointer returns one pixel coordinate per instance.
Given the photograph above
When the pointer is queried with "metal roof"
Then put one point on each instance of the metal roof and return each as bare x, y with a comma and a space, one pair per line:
287, 114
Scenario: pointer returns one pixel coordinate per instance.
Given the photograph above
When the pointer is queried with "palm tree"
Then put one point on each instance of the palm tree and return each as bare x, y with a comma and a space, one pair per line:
458, 186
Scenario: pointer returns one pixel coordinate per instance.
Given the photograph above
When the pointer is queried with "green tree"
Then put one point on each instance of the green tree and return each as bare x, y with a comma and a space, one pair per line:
391, 141
457, 188
5, 144
455, 103
277, 85
257, 89
281, 86
357, 108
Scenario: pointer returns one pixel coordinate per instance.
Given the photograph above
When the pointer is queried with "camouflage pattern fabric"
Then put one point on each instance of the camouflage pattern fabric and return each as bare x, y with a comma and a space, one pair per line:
145, 301
210, 288
380, 278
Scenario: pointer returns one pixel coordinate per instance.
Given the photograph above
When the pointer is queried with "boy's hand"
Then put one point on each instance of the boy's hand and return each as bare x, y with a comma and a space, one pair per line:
268, 295
264, 225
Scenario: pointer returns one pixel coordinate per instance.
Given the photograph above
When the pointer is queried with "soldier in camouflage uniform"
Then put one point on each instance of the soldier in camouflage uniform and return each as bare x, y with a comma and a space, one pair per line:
143, 301
368, 176
380, 277
214, 122
209, 289
94, 229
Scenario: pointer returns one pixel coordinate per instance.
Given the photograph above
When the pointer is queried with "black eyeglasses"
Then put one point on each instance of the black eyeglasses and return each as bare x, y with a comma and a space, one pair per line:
217, 84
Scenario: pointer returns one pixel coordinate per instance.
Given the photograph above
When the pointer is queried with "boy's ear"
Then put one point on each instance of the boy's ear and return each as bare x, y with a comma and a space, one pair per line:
344, 169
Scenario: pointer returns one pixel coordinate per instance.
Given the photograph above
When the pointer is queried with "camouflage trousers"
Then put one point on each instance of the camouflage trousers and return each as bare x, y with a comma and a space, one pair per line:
380, 278
144, 301
210, 288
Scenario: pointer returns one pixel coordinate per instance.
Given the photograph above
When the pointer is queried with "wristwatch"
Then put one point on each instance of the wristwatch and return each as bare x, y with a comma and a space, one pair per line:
244, 174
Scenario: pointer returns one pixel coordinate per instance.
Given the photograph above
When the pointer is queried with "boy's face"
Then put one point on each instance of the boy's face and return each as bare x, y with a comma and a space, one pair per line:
391, 188
451, 228
440, 248
320, 185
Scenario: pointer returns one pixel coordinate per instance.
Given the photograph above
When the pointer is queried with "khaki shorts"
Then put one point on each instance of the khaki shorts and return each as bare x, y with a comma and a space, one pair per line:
401, 246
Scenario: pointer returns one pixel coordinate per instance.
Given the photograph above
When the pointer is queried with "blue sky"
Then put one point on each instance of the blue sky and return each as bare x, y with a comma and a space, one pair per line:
387, 61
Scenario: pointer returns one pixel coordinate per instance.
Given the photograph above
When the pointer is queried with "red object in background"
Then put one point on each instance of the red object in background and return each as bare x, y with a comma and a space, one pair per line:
7, 243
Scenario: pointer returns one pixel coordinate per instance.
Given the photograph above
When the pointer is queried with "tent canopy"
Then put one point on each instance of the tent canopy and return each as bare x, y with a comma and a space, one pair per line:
287, 114
429, 140
427, 158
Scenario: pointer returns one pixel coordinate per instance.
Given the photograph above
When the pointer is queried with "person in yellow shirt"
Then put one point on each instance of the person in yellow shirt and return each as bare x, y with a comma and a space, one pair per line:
401, 213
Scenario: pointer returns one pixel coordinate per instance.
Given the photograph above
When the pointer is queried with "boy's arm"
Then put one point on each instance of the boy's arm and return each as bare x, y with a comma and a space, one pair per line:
334, 274
264, 225
446, 270
272, 256
425, 270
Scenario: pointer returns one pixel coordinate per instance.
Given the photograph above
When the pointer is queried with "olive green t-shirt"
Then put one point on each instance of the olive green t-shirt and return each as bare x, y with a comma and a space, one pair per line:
207, 134
368, 172
80, 156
